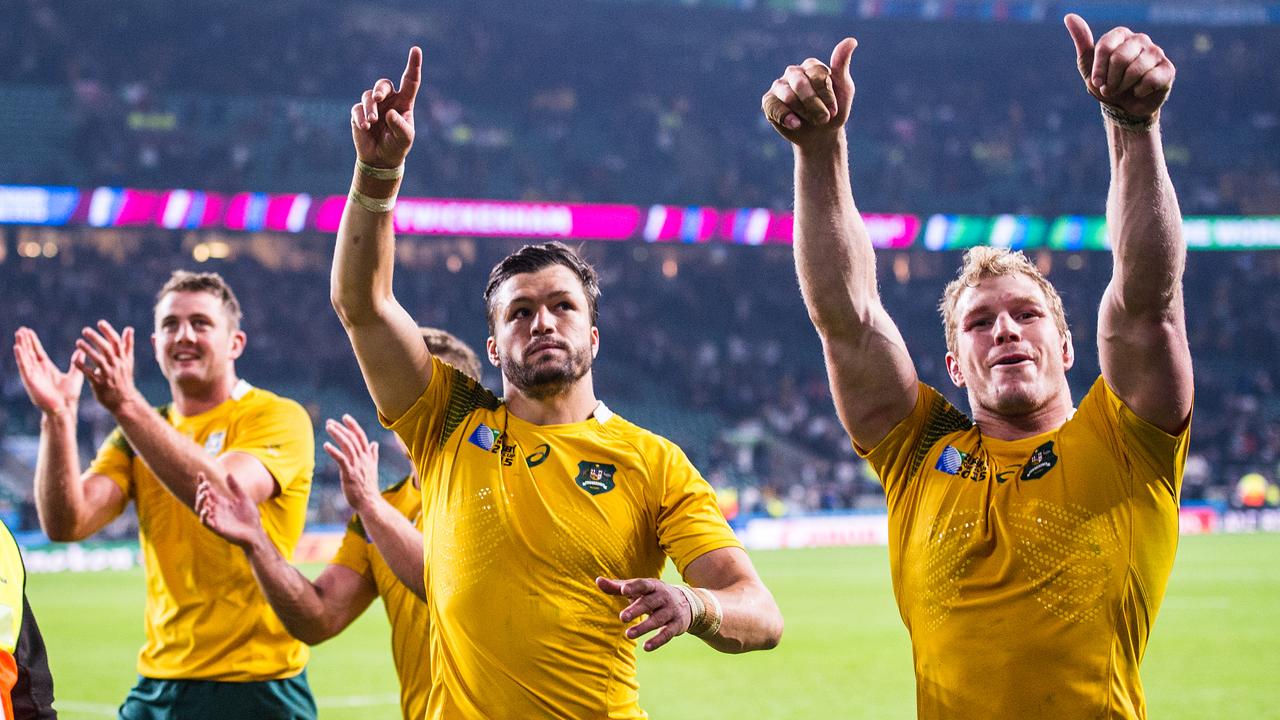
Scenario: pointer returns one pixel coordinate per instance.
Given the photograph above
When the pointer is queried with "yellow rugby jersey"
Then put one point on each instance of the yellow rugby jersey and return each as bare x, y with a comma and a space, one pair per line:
407, 614
519, 520
206, 619
1029, 572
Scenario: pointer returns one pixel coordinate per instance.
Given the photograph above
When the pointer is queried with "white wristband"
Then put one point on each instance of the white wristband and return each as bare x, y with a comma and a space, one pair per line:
380, 173
372, 204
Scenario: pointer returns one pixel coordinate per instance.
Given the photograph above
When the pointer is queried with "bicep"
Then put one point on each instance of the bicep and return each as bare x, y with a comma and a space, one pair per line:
873, 381
1146, 360
251, 474
393, 358
344, 594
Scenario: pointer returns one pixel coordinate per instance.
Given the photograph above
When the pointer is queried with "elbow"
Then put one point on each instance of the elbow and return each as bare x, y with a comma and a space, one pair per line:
60, 530
311, 633
770, 632
773, 633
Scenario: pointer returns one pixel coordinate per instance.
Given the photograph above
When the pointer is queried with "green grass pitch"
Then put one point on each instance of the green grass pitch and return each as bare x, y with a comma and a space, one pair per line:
844, 655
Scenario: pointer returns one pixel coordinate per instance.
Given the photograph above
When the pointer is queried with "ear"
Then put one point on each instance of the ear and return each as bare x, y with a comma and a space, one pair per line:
595, 341
953, 370
1068, 352
491, 349
238, 342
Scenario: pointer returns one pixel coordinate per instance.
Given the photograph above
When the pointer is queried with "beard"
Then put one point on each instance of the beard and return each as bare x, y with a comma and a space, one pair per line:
547, 378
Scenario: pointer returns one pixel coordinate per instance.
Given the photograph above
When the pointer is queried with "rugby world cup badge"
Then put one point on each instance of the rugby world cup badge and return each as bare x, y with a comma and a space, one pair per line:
595, 477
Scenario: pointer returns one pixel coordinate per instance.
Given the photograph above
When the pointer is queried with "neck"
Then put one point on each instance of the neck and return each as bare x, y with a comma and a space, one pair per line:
1049, 416
192, 399
574, 404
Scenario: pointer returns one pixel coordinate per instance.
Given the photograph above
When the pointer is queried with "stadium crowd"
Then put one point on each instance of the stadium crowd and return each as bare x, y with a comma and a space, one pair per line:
728, 368
631, 102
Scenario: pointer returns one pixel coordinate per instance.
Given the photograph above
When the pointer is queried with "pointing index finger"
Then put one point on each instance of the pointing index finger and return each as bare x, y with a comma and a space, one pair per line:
412, 78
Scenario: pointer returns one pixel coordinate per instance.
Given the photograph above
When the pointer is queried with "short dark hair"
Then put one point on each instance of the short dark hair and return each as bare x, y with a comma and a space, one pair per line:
209, 282
450, 349
532, 258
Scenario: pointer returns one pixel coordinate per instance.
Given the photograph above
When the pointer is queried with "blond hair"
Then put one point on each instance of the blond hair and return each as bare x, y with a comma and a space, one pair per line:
982, 263
450, 349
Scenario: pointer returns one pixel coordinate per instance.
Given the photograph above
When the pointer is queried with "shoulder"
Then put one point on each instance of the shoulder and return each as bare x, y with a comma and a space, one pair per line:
259, 401
653, 448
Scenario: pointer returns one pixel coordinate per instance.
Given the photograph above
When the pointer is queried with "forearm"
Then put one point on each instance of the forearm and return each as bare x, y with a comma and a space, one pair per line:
60, 498
365, 253
834, 257
750, 619
399, 542
295, 599
175, 460
1144, 222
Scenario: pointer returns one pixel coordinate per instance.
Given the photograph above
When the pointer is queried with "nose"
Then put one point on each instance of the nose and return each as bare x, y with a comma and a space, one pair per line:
186, 332
543, 322
1005, 329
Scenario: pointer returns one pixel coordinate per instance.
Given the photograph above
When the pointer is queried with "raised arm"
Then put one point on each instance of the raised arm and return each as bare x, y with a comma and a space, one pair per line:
311, 611
72, 505
1142, 333
872, 377
395, 362
399, 542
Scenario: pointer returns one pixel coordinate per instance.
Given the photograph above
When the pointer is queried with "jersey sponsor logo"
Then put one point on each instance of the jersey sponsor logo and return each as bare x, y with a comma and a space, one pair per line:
1040, 463
595, 478
538, 456
213, 445
1006, 474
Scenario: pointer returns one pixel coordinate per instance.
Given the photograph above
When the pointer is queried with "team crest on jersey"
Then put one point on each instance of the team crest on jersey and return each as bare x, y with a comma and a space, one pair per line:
1041, 462
485, 437
213, 445
595, 477
950, 460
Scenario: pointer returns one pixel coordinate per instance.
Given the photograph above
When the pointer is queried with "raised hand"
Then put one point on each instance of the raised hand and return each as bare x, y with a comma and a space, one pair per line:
668, 608
50, 389
382, 122
1125, 70
234, 517
106, 359
357, 460
810, 103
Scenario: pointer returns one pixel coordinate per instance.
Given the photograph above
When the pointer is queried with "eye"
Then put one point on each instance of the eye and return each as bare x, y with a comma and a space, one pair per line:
520, 313
564, 305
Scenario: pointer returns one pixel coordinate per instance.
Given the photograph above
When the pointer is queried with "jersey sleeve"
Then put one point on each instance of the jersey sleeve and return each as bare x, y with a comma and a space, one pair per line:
115, 460
353, 553
898, 457
1153, 455
279, 435
444, 405
690, 523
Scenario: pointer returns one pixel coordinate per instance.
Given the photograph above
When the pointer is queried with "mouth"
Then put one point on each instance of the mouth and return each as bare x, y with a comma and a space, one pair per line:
539, 347
1012, 360
182, 357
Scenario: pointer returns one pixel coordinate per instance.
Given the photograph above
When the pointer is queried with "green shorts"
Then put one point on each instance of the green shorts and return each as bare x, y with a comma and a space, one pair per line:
287, 699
